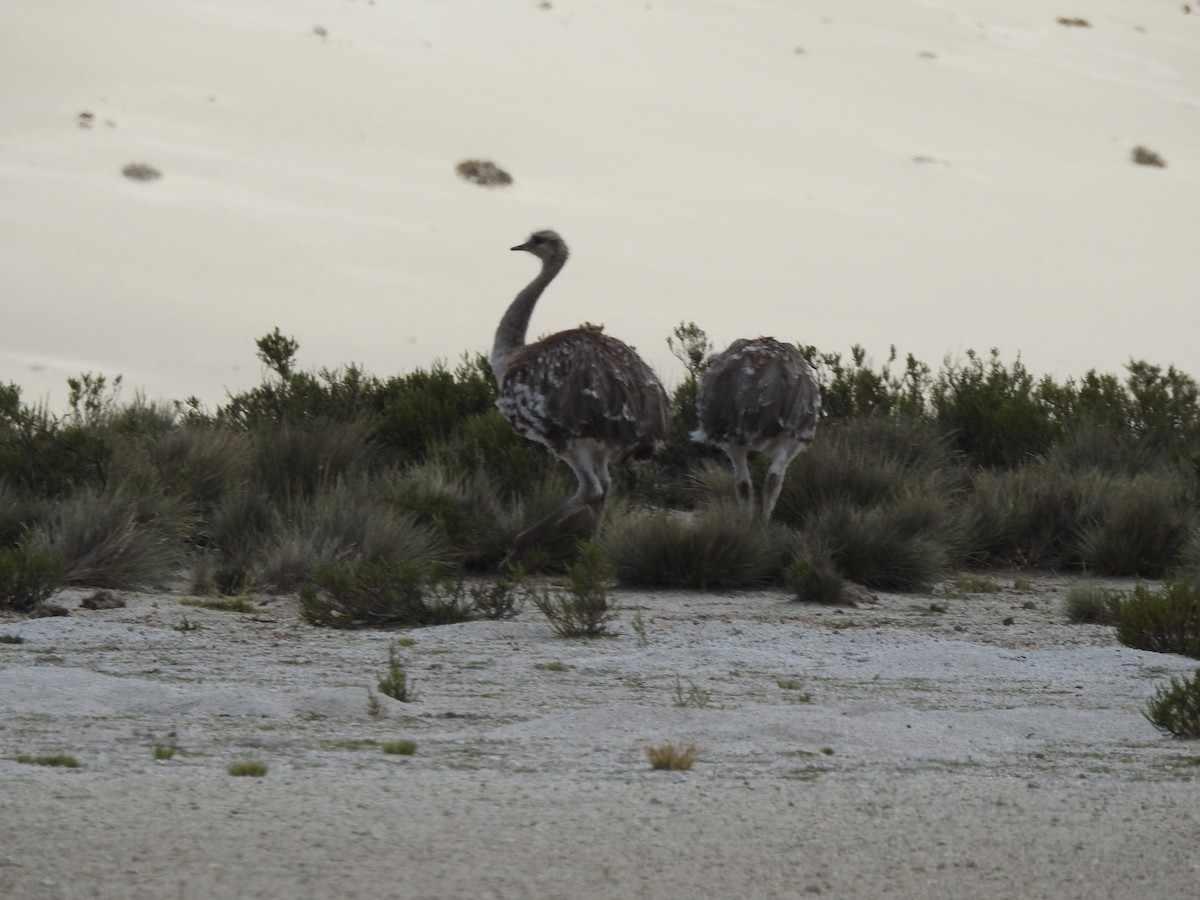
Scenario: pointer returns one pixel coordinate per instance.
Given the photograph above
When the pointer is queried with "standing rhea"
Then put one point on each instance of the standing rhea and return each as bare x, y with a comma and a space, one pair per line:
758, 396
586, 396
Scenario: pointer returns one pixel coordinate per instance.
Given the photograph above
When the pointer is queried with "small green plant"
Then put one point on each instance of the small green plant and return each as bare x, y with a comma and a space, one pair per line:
827, 751
400, 748
60, 760
164, 751
247, 769
638, 624
555, 666
796, 693
694, 696
499, 599
1090, 604
11, 639
967, 583
395, 683
1163, 621
1175, 707
584, 609
374, 707
677, 756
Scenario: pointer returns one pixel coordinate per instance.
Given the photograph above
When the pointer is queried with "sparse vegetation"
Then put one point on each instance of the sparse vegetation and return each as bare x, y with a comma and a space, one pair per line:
677, 756
584, 608
163, 752
1175, 707
395, 683
54, 760
1090, 604
390, 502
1163, 621
11, 639
247, 769
400, 748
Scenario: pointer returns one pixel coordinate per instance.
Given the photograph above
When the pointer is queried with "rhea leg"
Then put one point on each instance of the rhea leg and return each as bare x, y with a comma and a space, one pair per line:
781, 458
591, 471
742, 485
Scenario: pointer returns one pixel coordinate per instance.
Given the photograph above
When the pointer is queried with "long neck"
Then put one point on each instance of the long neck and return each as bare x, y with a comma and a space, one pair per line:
510, 335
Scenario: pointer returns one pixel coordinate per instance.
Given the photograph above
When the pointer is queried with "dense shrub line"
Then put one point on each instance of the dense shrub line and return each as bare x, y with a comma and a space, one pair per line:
351, 488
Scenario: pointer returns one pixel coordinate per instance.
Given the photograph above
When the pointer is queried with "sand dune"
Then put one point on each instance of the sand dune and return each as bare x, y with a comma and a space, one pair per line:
934, 175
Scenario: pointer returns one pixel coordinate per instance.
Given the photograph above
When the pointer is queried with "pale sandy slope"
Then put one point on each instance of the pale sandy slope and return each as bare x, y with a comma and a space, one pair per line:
934, 175
949, 746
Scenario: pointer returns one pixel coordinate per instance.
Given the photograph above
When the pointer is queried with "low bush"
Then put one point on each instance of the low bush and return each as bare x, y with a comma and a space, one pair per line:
1163, 621
1090, 604
375, 593
1142, 528
124, 539
347, 521
584, 608
899, 546
709, 550
27, 577
813, 576
1175, 707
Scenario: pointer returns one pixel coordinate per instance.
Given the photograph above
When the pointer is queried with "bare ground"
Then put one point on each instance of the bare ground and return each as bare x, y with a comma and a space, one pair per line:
951, 745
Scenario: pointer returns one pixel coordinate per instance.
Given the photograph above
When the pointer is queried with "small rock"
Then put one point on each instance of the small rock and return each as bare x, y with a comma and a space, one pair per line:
102, 600
1010, 621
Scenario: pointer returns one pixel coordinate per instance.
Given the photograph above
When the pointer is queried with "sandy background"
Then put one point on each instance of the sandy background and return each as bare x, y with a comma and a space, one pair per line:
886, 750
935, 174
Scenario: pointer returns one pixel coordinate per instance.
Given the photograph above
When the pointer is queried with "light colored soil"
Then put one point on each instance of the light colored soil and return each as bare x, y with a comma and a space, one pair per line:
915, 746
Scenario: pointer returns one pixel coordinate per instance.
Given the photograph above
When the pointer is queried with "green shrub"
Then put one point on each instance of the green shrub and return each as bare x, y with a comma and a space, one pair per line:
465, 510
813, 577
294, 459
584, 608
346, 521
867, 462
375, 593
901, 546
124, 539
1090, 604
1163, 621
201, 463
998, 415
1144, 527
1175, 707
27, 577
395, 683
709, 550
240, 527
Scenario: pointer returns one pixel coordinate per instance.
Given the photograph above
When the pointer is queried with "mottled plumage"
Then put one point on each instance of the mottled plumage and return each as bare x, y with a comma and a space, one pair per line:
586, 396
758, 396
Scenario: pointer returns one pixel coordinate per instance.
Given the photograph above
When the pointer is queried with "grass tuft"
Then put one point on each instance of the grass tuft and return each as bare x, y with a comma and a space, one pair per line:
247, 769
59, 760
1175, 707
677, 756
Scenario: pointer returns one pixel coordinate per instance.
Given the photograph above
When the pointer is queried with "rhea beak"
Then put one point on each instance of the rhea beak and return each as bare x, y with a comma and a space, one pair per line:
524, 246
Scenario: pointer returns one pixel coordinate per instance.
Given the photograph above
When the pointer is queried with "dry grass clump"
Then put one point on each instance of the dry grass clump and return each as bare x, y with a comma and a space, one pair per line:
484, 173
247, 769
1090, 604
676, 756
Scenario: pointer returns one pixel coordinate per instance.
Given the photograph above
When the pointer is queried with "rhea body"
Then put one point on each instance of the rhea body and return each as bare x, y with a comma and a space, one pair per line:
758, 396
586, 396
